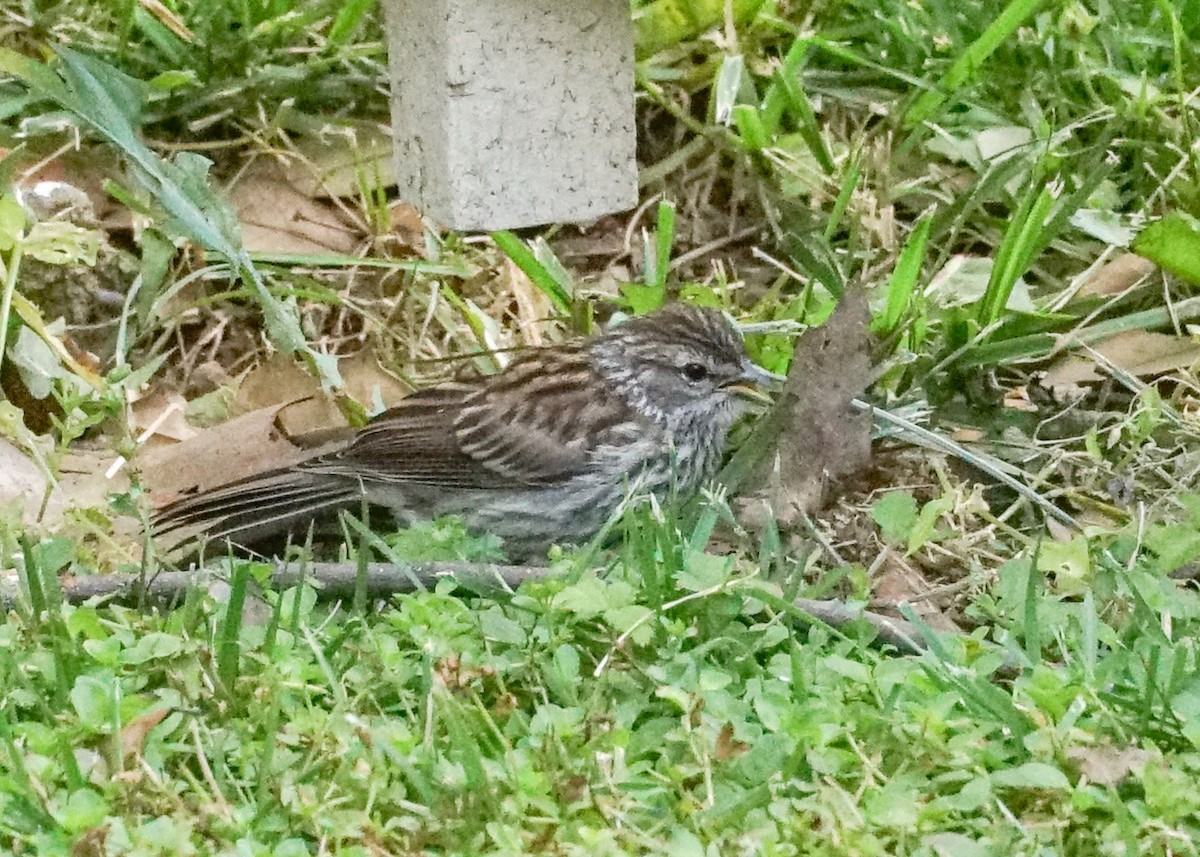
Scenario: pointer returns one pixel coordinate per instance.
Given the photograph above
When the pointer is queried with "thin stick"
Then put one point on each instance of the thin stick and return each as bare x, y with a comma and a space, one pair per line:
334, 580
338, 581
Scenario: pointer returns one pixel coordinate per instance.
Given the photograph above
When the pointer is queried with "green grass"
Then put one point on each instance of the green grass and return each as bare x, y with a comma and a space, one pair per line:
661, 706
666, 696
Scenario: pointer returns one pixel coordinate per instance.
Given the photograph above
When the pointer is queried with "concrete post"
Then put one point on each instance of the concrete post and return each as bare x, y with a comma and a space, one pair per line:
510, 113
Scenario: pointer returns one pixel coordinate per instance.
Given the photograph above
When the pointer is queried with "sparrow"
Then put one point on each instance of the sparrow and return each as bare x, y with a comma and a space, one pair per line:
545, 451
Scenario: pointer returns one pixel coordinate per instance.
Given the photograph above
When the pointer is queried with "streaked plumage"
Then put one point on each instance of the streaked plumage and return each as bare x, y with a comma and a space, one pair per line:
542, 452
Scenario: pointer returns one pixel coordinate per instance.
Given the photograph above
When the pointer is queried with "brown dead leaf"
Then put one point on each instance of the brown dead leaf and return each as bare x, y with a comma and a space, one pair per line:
370, 384
340, 161
93, 842
310, 412
163, 414
1141, 353
86, 478
284, 418
135, 732
1109, 766
1117, 275
727, 746
407, 226
276, 217
168, 19
898, 583
588, 244
1017, 399
252, 443
813, 436
279, 382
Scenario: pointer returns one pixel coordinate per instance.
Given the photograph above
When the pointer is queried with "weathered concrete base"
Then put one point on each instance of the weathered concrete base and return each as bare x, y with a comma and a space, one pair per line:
510, 113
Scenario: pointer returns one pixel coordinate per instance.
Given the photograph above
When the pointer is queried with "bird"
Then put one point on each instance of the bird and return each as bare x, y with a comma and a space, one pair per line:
544, 452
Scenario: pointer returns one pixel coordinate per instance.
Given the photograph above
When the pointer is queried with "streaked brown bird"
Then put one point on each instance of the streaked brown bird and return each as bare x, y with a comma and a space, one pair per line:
543, 452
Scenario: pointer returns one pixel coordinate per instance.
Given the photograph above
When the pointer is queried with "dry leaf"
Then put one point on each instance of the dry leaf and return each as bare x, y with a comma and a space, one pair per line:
252, 443
278, 218
1139, 352
279, 381
93, 842
311, 413
161, 414
407, 226
1108, 766
86, 478
168, 19
813, 436
133, 736
1017, 399
727, 746
533, 307
370, 384
1117, 275
340, 161
901, 583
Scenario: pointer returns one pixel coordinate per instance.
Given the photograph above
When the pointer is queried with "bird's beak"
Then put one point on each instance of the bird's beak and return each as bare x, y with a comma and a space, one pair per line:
754, 382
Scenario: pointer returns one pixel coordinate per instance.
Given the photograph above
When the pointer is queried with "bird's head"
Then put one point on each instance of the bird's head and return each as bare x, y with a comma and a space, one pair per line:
680, 364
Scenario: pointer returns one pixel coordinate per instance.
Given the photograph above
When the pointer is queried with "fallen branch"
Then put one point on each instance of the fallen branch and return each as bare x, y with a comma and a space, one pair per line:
381, 580
899, 633
340, 580
332, 579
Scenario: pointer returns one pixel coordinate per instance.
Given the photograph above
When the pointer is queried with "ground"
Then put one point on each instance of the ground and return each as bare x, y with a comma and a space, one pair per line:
1015, 188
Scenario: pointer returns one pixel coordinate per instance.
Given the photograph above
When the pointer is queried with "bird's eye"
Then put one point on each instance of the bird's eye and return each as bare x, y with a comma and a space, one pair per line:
695, 371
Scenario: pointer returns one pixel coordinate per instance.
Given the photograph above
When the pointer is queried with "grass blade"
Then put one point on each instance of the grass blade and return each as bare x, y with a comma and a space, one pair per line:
903, 282
229, 645
524, 258
971, 60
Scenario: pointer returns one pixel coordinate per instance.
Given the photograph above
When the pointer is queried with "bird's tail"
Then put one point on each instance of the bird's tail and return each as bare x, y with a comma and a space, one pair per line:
256, 508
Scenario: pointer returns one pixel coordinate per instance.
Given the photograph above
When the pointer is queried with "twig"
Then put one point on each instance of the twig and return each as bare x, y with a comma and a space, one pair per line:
334, 580
987, 463
901, 634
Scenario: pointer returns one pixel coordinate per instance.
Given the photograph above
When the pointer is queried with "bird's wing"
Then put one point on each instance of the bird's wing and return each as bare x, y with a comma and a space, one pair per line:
536, 423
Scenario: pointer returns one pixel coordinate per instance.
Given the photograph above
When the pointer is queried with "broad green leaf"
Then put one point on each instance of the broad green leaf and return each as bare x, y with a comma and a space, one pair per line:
31, 316
1175, 545
58, 242
631, 618
1069, 563
667, 22
587, 598
896, 514
496, 626
1172, 243
703, 570
94, 701
84, 809
924, 527
12, 222
1031, 775
37, 363
152, 647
